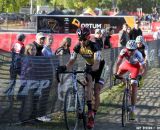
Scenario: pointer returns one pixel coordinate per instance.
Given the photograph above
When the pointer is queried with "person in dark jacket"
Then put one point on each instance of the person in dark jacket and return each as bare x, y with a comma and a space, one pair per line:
17, 52
123, 36
39, 43
98, 38
107, 36
136, 31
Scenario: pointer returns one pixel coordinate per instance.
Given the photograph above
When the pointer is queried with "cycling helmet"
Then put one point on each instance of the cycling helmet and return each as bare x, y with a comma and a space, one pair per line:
131, 44
139, 39
83, 33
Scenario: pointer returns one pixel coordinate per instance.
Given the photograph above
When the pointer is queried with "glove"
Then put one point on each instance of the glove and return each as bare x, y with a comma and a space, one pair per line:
116, 76
61, 69
139, 77
88, 69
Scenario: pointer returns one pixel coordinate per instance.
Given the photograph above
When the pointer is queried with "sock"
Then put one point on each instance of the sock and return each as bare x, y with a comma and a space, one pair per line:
89, 104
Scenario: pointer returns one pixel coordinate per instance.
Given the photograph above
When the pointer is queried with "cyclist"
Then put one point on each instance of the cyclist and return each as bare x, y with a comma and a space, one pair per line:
94, 67
133, 63
142, 47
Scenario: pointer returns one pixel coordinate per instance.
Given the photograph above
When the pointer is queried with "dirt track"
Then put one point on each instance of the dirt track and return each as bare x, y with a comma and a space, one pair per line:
147, 109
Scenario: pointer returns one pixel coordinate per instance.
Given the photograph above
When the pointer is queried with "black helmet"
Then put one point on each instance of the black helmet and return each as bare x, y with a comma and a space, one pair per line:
20, 37
83, 33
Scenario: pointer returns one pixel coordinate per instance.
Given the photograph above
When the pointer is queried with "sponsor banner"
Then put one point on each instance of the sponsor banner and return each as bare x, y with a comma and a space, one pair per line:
155, 26
69, 24
7, 40
145, 26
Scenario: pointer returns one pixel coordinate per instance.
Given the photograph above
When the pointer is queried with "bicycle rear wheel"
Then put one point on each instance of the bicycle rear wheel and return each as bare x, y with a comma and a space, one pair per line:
125, 108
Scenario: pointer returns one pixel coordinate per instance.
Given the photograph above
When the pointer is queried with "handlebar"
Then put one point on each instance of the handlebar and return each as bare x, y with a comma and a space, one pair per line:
68, 72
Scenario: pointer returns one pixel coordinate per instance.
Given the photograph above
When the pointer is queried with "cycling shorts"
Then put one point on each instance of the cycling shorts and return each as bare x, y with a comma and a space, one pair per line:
132, 68
97, 74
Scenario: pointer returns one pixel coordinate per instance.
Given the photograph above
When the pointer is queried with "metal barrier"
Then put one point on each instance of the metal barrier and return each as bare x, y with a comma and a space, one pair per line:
36, 91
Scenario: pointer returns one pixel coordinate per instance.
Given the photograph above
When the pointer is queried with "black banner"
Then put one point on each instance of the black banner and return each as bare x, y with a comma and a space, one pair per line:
69, 24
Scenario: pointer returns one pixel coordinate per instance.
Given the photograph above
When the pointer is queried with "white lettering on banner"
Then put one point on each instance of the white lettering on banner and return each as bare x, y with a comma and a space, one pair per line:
91, 25
64, 85
42, 84
31, 84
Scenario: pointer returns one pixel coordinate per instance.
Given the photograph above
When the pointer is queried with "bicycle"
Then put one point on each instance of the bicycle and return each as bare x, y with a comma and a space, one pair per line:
126, 100
74, 103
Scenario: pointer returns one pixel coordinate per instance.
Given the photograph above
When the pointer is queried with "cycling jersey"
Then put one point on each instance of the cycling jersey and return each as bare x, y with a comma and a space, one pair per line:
144, 51
90, 52
133, 59
87, 52
132, 62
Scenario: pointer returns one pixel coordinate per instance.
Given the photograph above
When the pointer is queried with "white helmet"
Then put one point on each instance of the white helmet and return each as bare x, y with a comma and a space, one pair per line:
140, 39
131, 44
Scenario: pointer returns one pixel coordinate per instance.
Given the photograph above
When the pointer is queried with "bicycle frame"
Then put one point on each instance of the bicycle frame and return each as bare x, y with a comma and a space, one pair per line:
73, 103
126, 101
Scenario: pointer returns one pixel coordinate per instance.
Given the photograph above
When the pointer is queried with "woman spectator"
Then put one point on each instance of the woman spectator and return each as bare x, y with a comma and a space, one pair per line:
47, 51
26, 71
65, 47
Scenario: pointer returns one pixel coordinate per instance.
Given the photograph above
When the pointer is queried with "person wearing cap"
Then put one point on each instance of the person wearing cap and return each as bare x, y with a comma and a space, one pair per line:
136, 31
98, 38
39, 43
17, 51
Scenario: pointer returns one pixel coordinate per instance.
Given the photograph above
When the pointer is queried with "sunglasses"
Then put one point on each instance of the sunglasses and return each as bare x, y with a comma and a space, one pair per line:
131, 50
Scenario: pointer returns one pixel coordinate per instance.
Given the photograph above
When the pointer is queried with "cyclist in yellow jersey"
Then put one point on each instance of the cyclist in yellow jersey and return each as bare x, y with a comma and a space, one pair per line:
94, 67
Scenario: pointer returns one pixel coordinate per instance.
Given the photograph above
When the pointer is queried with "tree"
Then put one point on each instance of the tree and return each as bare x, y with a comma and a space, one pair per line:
12, 5
106, 4
132, 5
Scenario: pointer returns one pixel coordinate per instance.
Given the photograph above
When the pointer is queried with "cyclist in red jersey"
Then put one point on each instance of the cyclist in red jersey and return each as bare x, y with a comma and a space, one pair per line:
133, 63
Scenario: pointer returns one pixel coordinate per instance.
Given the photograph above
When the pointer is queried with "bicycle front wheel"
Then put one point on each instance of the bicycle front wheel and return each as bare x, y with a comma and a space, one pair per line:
70, 110
125, 107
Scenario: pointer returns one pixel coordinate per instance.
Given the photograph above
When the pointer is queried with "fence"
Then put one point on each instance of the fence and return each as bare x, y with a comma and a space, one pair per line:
17, 22
37, 92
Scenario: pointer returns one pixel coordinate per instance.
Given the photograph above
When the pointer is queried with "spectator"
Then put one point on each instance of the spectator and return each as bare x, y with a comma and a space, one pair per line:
30, 50
15, 67
123, 35
23, 93
136, 31
39, 43
98, 38
47, 51
65, 47
156, 35
107, 37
